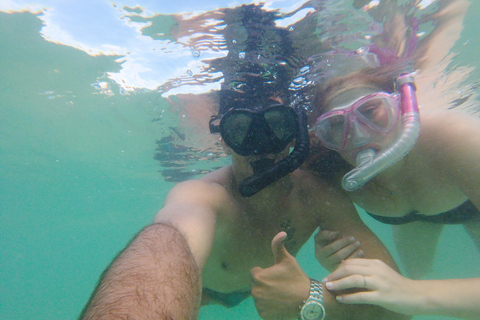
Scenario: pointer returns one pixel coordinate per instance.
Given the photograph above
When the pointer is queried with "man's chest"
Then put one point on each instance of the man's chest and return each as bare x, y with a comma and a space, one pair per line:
237, 250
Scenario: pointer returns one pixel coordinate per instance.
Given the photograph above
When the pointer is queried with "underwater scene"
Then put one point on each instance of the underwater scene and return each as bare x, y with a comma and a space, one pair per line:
106, 105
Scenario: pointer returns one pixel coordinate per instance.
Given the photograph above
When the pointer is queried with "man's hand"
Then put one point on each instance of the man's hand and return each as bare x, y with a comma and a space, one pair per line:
281, 289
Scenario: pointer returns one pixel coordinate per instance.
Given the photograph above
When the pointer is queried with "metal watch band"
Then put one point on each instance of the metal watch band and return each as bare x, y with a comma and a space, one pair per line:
315, 298
316, 289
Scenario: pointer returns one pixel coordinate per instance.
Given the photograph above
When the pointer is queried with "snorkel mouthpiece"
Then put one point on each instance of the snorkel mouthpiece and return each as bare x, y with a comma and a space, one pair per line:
370, 164
266, 176
262, 165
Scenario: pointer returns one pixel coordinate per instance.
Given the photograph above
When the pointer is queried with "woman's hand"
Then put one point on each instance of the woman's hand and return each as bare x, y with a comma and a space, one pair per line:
331, 250
380, 285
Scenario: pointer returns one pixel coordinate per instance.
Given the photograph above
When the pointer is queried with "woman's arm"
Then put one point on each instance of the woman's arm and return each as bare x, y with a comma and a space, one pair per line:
416, 244
383, 286
450, 141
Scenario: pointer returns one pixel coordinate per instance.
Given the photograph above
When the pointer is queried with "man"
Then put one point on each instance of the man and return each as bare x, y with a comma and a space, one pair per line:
214, 235
212, 240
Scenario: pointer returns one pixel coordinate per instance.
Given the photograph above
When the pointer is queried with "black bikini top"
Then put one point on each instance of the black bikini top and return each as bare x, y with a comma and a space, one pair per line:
466, 212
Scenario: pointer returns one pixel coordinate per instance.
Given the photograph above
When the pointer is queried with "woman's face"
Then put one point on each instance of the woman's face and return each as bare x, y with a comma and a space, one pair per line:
360, 136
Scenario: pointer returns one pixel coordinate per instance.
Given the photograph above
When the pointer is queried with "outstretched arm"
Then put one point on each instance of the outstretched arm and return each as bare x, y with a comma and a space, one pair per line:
158, 276
380, 285
143, 281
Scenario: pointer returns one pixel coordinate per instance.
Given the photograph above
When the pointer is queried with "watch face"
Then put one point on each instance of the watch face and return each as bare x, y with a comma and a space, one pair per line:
312, 311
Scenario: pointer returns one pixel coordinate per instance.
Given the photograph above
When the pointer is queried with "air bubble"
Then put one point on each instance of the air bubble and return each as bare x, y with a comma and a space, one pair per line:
299, 80
304, 70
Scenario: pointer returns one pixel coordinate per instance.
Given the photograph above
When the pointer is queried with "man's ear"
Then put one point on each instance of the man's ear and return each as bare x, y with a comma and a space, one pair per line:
228, 151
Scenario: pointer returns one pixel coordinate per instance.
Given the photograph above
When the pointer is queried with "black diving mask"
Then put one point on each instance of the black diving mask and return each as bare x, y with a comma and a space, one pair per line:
269, 130
257, 132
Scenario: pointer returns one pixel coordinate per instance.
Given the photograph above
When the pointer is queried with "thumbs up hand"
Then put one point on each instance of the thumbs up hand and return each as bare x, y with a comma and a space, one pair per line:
279, 290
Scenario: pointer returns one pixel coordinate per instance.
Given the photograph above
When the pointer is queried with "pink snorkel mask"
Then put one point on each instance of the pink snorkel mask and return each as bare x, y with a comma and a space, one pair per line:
377, 112
370, 162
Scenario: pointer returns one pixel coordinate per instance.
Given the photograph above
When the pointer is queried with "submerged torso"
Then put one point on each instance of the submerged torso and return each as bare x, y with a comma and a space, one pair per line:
415, 189
418, 188
243, 240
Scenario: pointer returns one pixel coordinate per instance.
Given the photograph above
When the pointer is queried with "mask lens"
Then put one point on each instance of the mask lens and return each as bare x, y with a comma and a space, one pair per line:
237, 125
331, 130
379, 113
283, 123
250, 132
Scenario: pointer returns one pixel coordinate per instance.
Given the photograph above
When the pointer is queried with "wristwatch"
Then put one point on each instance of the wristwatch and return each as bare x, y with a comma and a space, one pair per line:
312, 308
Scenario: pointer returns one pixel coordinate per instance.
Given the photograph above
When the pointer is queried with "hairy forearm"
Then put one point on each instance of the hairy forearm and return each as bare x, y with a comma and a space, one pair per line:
155, 277
459, 298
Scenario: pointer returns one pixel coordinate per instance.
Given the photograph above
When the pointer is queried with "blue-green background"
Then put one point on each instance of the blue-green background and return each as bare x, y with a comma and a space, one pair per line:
78, 178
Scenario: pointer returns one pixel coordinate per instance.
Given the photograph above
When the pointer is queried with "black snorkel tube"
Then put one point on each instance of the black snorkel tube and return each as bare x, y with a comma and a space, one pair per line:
259, 180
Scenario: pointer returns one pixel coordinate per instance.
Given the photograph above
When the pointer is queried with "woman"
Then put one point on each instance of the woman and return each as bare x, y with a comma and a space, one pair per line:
417, 186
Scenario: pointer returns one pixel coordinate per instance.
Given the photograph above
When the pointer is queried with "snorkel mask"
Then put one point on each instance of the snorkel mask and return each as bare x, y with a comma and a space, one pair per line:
379, 113
261, 132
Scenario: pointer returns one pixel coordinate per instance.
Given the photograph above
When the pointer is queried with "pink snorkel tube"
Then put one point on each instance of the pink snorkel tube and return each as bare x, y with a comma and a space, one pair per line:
369, 163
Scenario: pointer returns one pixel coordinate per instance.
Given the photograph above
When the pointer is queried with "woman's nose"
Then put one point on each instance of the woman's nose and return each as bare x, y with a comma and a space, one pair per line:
358, 134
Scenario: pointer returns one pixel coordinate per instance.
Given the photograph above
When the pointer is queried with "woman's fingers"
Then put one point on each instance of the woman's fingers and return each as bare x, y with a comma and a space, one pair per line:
350, 282
348, 251
351, 267
362, 297
324, 237
341, 248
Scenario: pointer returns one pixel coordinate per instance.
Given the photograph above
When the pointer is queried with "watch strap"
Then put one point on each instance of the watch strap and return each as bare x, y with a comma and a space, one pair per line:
315, 296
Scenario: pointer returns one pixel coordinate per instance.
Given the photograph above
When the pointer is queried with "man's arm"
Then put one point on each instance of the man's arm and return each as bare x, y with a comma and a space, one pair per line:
158, 276
143, 281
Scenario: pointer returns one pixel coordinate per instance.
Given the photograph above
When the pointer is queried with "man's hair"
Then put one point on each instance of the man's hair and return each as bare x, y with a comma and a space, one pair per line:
260, 62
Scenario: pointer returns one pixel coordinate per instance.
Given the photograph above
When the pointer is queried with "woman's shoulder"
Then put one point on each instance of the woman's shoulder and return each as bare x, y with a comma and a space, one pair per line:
448, 122
448, 137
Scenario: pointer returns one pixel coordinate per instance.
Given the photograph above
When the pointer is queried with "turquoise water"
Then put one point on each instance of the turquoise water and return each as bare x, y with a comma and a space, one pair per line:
79, 167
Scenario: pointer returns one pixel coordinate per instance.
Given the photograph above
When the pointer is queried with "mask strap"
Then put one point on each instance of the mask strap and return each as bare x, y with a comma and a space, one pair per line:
214, 128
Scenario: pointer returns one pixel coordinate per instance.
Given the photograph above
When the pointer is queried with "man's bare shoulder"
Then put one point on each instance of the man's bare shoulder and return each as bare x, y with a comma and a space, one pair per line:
210, 188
